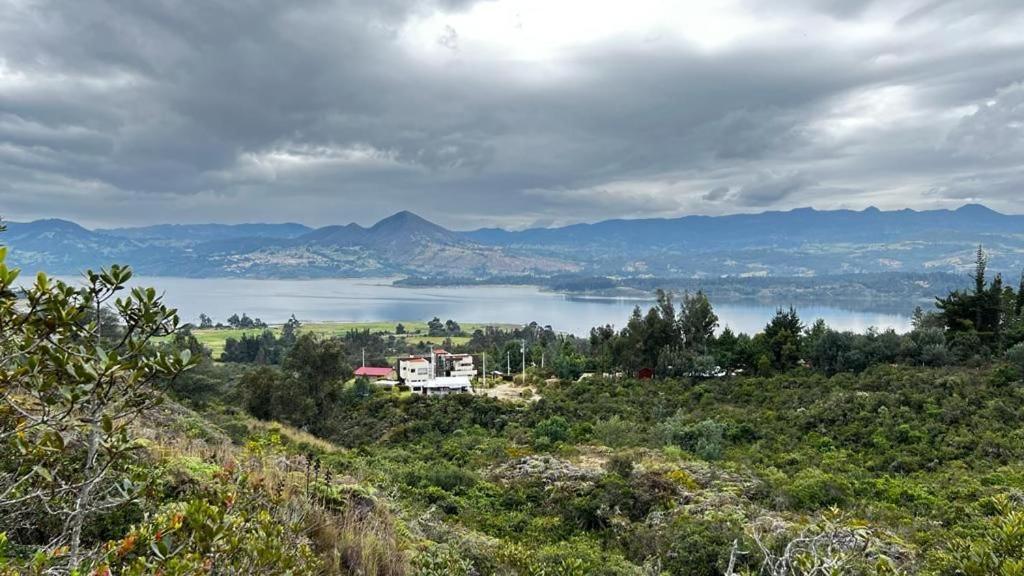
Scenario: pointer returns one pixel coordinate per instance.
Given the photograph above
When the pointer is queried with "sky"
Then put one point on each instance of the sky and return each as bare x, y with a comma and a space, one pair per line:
509, 113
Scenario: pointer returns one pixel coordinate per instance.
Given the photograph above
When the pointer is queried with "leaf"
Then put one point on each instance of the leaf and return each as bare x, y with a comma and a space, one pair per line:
43, 473
107, 424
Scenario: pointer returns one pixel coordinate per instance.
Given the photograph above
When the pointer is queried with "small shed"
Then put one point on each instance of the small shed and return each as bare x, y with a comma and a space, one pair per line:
645, 374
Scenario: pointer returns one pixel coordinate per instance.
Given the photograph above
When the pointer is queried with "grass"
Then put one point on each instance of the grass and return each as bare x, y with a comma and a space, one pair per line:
214, 338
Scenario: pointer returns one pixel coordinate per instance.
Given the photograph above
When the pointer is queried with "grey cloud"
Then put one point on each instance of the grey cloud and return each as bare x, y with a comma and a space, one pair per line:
995, 130
716, 194
315, 112
767, 189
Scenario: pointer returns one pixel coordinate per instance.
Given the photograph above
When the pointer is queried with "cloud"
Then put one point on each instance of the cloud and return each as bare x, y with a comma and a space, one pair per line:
503, 113
767, 189
716, 194
995, 130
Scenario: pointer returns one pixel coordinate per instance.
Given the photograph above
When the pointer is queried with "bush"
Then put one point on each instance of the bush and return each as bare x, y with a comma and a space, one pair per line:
706, 439
1015, 356
553, 430
998, 550
614, 432
813, 489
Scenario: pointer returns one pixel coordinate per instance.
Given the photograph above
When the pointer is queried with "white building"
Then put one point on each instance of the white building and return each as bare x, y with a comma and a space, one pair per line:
442, 385
455, 365
414, 370
442, 373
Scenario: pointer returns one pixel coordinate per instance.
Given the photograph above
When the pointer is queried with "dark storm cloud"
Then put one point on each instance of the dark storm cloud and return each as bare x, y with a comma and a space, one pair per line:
115, 112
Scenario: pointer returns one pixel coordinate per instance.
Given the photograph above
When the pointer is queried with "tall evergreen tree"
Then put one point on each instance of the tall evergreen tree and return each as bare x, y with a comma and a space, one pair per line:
980, 264
783, 336
1019, 306
697, 322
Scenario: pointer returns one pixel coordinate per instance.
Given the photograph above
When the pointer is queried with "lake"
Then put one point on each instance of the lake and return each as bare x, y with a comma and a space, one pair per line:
374, 299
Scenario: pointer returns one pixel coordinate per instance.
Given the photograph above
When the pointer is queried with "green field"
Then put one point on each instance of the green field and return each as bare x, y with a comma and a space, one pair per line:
214, 338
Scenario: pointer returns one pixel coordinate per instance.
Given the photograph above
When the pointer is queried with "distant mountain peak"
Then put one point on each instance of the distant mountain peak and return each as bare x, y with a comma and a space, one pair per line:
403, 218
975, 208
406, 222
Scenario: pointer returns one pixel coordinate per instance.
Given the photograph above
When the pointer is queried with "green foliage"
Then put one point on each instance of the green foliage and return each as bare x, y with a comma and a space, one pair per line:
552, 430
77, 369
229, 527
697, 322
705, 439
783, 336
614, 432
998, 550
813, 489
441, 561
1015, 356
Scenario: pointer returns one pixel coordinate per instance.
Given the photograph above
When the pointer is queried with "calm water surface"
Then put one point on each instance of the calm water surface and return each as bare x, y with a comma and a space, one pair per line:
374, 299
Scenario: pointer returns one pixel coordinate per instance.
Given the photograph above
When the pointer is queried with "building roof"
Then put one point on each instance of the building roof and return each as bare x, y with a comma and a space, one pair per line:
374, 371
413, 359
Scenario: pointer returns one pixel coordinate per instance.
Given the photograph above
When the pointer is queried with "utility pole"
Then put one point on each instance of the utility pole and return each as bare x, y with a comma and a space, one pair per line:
485, 369
508, 362
523, 350
364, 357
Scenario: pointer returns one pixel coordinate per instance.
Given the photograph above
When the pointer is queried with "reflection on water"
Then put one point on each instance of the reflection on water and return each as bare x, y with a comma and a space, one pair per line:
374, 299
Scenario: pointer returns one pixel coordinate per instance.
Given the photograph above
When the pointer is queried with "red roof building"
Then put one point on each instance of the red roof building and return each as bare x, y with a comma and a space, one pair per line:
375, 371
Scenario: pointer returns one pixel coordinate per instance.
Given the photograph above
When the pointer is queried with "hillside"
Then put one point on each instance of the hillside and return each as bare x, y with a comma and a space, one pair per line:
401, 244
659, 449
803, 242
793, 243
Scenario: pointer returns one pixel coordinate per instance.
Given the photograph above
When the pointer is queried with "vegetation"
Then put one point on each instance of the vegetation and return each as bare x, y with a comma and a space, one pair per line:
796, 451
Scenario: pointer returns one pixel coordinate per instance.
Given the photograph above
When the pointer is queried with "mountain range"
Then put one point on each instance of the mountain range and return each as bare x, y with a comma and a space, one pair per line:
802, 242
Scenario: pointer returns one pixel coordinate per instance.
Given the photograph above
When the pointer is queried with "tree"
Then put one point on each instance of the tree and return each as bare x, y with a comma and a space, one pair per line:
726, 347
697, 322
982, 310
261, 393
783, 336
1018, 307
830, 352
262, 348
70, 392
205, 321
290, 331
317, 369
234, 321
452, 328
400, 328
435, 327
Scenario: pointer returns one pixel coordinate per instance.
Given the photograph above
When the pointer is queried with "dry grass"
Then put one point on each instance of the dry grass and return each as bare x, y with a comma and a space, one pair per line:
361, 540
292, 435
351, 532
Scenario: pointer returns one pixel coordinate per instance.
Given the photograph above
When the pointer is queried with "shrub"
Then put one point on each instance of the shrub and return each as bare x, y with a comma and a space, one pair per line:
441, 561
998, 550
1015, 356
621, 465
553, 430
706, 439
614, 432
812, 489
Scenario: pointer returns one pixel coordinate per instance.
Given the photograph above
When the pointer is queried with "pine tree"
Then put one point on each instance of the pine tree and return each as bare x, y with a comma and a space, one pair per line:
980, 264
1019, 307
